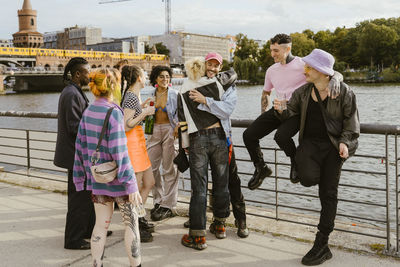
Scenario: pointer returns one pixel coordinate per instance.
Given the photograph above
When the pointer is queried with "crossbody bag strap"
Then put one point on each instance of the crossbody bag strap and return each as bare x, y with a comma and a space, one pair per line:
104, 129
180, 137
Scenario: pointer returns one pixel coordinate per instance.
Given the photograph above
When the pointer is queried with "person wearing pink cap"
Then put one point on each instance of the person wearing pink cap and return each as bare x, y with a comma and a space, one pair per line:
329, 130
204, 107
285, 76
223, 109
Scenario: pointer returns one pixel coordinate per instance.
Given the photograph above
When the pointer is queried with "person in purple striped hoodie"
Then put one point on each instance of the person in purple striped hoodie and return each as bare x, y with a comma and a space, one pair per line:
123, 189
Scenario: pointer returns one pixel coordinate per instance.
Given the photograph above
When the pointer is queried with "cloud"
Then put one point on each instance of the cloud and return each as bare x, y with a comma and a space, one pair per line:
259, 19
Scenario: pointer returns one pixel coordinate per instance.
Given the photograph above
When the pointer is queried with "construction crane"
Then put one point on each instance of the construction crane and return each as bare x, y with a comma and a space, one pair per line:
167, 11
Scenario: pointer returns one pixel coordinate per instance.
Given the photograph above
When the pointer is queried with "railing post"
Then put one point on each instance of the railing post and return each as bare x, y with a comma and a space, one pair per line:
276, 186
387, 194
28, 152
2, 91
397, 195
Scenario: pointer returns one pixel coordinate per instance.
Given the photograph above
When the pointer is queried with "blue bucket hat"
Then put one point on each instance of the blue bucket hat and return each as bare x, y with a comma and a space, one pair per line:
320, 60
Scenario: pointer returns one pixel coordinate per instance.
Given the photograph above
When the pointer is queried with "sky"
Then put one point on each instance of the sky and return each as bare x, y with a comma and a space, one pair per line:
258, 19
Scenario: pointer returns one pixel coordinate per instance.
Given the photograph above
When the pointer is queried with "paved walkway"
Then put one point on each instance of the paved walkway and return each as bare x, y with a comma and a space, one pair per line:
32, 225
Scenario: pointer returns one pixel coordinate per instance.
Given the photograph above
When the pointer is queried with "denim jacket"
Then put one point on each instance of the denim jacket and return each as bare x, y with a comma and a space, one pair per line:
172, 105
222, 109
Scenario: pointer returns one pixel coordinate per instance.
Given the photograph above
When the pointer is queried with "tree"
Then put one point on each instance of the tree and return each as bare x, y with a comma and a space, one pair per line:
377, 44
245, 47
301, 45
324, 40
160, 47
309, 33
264, 59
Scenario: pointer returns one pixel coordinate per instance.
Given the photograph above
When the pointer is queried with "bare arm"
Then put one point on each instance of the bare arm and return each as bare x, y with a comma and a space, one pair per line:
265, 101
131, 121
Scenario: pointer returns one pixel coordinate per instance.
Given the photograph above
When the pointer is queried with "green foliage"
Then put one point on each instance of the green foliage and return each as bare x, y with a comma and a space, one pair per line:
376, 44
370, 47
301, 44
161, 49
245, 47
340, 66
226, 65
265, 60
391, 75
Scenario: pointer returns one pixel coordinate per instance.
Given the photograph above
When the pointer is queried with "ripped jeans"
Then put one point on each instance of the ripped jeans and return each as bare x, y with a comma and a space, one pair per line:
104, 207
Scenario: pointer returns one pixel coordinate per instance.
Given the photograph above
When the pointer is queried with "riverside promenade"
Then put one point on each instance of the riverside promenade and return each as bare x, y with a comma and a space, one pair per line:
32, 229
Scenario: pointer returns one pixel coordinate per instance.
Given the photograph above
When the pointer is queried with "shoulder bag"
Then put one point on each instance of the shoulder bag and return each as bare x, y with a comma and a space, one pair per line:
181, 159
107, 171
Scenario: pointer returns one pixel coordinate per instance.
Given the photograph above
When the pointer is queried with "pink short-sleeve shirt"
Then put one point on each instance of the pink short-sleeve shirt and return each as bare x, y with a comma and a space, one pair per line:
285, 78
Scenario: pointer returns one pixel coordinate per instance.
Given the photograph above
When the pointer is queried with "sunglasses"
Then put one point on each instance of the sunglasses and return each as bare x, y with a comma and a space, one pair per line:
308, 68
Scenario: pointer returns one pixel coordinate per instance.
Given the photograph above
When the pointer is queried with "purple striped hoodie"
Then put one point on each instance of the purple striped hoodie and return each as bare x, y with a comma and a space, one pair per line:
113, 147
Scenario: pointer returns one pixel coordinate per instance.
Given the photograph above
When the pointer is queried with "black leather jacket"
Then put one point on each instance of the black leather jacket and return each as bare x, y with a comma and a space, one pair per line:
343, 108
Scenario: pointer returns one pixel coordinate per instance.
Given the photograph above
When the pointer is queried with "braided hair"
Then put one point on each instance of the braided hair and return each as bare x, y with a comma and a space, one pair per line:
129, 76
73, 66
156, 71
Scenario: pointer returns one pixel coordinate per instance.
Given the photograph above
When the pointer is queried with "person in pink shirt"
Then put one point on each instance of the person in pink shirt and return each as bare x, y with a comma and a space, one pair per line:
285, 76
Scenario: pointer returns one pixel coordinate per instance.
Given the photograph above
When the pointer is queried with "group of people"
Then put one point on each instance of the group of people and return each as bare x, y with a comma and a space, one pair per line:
316, 103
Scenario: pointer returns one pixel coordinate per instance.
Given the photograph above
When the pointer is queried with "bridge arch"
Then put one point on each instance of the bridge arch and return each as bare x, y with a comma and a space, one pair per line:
9, 62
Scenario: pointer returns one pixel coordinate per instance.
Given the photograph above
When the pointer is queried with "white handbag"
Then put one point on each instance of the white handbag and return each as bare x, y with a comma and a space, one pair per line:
105, 172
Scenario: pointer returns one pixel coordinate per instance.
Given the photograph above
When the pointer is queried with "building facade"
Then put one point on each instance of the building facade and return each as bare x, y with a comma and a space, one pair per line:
183, 45
6, 43
134, 44
27, 36
75, 38
50, 40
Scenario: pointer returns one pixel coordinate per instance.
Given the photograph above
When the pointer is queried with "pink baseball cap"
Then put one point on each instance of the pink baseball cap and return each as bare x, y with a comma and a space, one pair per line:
214, 55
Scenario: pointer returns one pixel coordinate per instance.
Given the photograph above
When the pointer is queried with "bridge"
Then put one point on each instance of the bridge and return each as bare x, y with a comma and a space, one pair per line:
47, 75
34, 79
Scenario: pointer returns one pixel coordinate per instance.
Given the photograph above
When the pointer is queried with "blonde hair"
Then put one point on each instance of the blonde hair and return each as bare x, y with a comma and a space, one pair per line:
101, 82
116, 82
195, 68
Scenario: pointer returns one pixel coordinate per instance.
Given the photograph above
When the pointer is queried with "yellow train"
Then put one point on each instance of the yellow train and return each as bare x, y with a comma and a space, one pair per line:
29, 52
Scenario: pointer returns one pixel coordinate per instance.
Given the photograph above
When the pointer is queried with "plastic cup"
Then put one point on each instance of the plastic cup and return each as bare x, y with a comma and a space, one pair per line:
283, 101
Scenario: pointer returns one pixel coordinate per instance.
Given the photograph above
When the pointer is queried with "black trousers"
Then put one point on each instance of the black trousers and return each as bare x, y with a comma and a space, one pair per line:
235, 191
264, 125
80, 215
318, 162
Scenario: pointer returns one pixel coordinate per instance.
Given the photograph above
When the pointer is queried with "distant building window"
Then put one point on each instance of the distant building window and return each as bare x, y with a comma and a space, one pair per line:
32, 22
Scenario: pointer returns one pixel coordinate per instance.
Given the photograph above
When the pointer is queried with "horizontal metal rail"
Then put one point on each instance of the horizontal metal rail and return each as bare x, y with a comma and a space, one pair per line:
274, 193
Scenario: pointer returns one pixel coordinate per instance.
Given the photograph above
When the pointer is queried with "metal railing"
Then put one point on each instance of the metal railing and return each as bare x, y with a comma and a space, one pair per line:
276, 194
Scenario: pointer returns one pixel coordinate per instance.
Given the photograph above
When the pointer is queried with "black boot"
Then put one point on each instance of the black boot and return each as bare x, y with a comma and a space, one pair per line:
242, 231
319, 253
294, 178
262, 171
156, 207
186, 224
145, 236
149, 227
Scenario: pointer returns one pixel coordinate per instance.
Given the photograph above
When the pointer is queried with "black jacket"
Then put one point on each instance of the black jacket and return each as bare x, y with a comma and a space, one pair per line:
71, 105
343, 108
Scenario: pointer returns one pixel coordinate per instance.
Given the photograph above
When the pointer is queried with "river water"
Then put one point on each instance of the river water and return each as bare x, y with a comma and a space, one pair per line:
377, 104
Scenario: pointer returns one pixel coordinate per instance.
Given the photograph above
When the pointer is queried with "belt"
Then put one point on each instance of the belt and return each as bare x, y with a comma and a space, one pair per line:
218, 131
